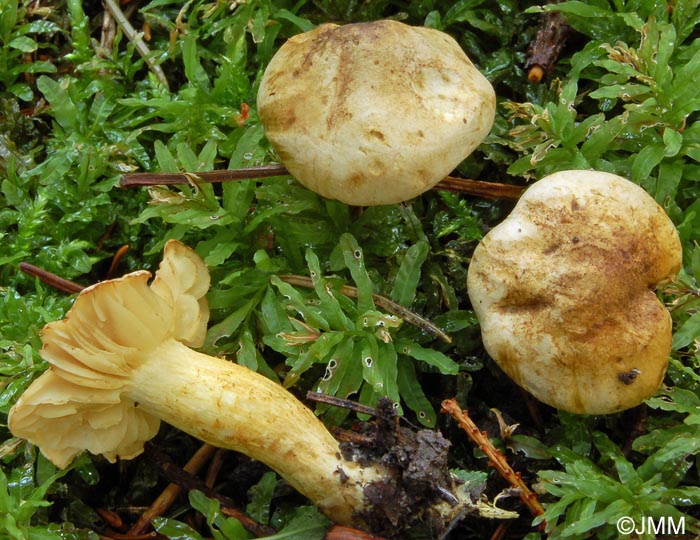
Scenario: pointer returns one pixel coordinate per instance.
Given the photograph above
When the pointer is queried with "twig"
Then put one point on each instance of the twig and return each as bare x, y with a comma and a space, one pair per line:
187, 481
340, 532
115, 260
342, 403
135, 37
639, 418
211, 177
382, 301
119, 536
496, 458
170, 493
533, 407
501, 530
53, 280
214, 467
544, 51
248, 523
478, 188
108, 31
112, 519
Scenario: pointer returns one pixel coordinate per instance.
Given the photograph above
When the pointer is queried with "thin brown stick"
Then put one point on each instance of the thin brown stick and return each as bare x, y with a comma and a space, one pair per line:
160, 179
111, 518
501, 530
170, 493
342, 403
496, 459
478, 188
119, 536
382, 301
137, 39
59, 283
214, 468
340, 532
533, 407
545, 50
187, 482
115, 260
253, 527
347, 436
109, 30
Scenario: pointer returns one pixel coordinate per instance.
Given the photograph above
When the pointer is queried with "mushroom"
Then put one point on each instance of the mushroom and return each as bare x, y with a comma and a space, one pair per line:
120, 362
564, 292
373, 113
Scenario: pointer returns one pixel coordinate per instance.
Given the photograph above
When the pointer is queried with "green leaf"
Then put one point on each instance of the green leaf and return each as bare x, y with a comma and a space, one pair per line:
261, 497
166, 160
355, 262
232, 322
408, 276
648, 158
625, 470
175, 530
688, 332
318, 352
64, 110
329, 303
296, 301
343, 375
412, 393
24, 44
307, 523
8, 18
673, 140
434, 358
304, 25
223, 528
194, 71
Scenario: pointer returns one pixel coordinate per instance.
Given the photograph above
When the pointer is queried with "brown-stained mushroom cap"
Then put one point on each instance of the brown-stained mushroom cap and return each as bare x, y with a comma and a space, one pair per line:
373, 113
564, 292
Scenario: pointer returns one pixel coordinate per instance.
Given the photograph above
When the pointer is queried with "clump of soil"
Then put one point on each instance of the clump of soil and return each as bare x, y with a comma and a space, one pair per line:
418, 475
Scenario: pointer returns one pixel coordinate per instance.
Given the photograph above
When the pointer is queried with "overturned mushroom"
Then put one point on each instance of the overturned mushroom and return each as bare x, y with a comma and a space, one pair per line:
121, 361
564, 292
373, 113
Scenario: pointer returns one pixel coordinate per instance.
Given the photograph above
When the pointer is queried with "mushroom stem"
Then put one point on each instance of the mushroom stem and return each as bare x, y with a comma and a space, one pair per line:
222, 403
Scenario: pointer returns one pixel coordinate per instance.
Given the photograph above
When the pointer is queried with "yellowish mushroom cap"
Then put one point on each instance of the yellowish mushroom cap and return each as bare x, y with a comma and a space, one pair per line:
373, 113
78, 403
564, 292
